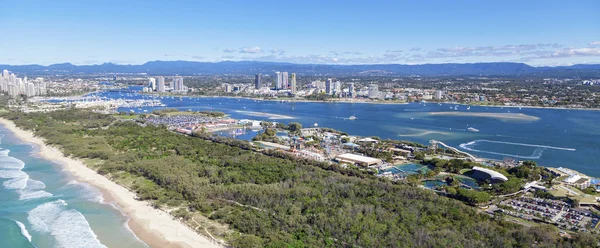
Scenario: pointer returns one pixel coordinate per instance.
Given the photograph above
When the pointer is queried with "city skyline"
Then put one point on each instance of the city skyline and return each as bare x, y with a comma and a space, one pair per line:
535, 32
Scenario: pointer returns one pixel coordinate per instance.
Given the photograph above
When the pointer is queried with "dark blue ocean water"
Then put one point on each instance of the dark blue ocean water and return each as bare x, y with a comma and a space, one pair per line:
552, 137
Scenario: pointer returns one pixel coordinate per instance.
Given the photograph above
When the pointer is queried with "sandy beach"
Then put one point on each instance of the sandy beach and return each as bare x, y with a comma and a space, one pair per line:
501, 116
155, 227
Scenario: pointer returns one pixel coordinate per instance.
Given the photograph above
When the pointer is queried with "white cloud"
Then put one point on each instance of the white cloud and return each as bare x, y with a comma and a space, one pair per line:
252, 50
277, 51
228, 50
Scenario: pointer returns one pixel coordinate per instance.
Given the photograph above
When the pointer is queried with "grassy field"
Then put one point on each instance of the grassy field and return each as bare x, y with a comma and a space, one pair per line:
127, 117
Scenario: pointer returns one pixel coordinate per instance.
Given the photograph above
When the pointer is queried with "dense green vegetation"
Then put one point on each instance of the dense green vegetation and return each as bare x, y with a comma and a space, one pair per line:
274, 200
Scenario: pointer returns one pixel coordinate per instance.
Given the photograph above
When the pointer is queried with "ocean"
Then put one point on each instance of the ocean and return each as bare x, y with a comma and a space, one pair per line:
552, 137
42, 206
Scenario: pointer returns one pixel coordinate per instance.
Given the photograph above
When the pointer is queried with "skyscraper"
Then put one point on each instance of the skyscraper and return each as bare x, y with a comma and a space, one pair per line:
293, 84
285, 80
161, 84
152, 83
178, 84
373, 91
258, 81
351, 90
438, 94
279, 81
337, 87
329, 86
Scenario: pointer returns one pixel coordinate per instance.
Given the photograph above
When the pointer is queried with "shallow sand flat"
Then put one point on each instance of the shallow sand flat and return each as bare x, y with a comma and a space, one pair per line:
155, 227
502, 116
263, 114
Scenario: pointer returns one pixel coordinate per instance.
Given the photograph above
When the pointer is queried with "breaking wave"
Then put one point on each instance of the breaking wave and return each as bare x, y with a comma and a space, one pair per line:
12, 168
24, 231
68, 226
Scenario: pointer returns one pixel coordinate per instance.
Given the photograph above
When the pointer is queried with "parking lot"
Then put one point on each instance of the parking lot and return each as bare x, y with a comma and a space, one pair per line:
552, 211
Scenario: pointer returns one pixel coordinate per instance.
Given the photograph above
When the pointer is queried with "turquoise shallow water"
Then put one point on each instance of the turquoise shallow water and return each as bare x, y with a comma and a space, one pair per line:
42, 206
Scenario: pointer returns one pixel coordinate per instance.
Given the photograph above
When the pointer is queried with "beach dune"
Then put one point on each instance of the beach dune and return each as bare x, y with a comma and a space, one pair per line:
155, 227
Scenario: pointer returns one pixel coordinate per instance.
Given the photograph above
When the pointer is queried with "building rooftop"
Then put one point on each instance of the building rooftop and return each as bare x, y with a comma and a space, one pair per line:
358, 158
493, 174
572, 179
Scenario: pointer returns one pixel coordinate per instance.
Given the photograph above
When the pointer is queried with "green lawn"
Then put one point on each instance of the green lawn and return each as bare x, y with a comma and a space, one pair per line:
127, 117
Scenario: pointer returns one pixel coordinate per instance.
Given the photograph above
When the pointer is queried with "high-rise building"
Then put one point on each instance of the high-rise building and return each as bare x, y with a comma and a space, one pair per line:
351, 90
14, 86
152, 83
178, 84
293, 83
329, 86
285, 80
438, 94
161, 84
373, 91
279, 80
258, 81
337, 87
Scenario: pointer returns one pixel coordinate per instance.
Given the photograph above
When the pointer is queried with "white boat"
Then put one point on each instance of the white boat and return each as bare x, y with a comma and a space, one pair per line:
316, 124
352, 117
472, 129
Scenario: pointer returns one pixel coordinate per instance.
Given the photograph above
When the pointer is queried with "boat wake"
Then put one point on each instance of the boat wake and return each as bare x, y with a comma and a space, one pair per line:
537, 152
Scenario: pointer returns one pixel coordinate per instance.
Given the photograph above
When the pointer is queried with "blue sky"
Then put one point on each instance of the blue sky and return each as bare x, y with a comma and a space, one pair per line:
310, 31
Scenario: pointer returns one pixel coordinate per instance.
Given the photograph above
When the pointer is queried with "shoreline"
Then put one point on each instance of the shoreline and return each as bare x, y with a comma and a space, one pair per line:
154, 227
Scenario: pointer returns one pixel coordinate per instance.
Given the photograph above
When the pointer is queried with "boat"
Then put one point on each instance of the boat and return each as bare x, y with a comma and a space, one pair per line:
352, 117
316, 124
472, 129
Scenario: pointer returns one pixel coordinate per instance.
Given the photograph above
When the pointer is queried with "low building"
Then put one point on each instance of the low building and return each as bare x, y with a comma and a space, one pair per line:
271, 145
483, 174
357, 159
401, 152
578, 181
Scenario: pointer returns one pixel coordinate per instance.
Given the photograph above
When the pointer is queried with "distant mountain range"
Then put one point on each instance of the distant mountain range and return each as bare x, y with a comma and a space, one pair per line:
252, 67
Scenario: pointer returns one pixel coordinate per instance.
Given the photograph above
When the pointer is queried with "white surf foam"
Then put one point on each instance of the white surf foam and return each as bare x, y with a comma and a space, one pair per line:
11, 168
29, 195
7, 162
16, 183
85, 191
68, 226
24, 231
12, 174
